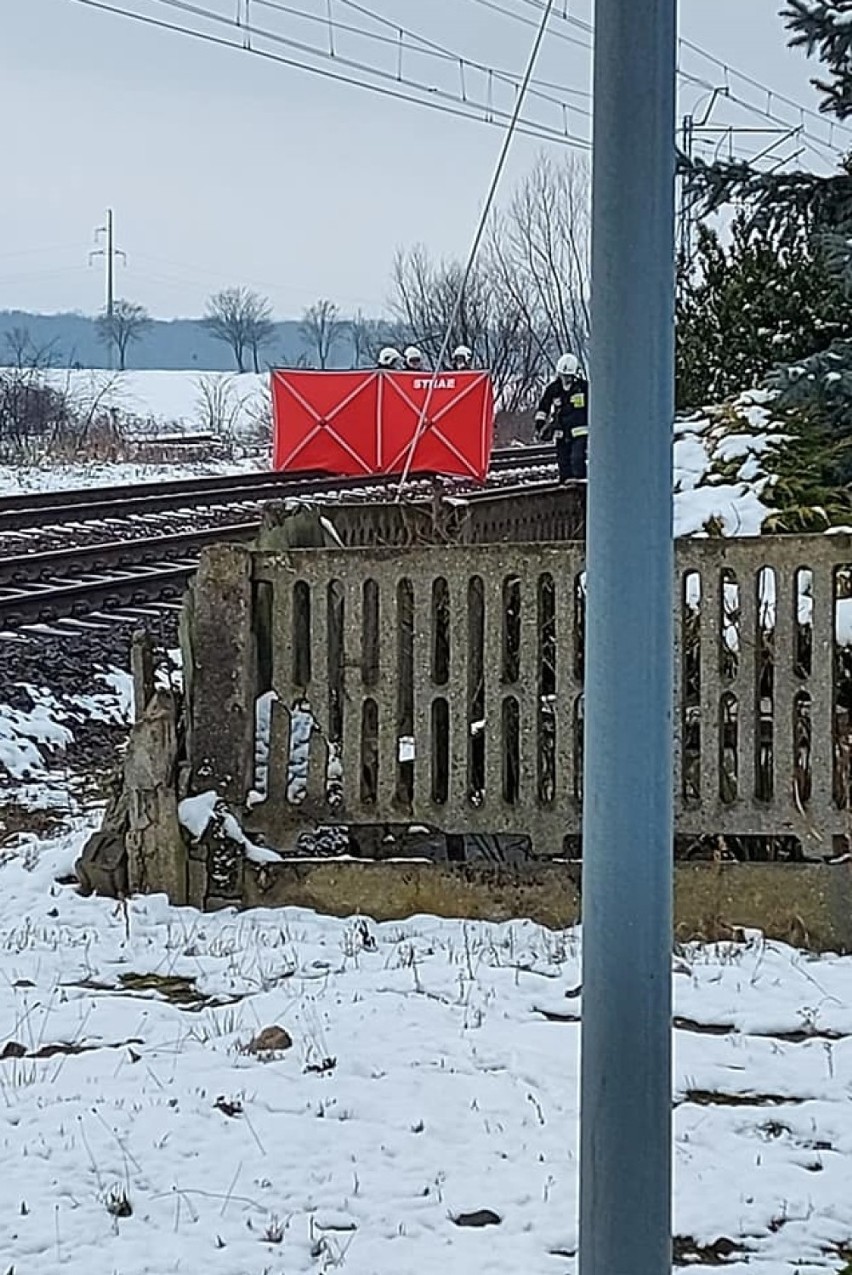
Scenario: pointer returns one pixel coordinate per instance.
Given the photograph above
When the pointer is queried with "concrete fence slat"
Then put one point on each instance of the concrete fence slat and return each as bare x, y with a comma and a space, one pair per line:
566, 693
746, 686
786, 686
386, 689
352, 692
711, 647
822, 692
423, 690
458, 697
493, 675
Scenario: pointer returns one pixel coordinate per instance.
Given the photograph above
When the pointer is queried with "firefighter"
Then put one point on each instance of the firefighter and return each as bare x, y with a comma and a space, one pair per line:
413, 359
563, 415
390, 359
462, 357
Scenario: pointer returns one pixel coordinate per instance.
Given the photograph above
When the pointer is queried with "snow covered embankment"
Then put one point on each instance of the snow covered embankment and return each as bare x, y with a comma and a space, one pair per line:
421, 1072
35, 739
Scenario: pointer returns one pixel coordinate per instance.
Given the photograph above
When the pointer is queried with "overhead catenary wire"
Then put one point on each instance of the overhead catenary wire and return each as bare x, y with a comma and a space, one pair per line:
390, 85
461, 105
693, 47
474, 249
727, 69
424, 47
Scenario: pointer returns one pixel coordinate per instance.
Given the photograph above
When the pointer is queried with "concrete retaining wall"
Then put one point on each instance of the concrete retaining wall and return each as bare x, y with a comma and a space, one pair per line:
808, 905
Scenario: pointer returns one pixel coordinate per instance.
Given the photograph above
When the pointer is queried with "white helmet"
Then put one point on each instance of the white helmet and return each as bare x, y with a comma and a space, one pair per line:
568, 365
413, 358
389, 357
463, 354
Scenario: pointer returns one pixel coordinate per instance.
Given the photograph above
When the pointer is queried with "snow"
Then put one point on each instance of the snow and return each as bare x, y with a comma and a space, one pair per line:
330, 532
197, 813
18, 480
302, 723
433, 1071
767, 606
843, 622
34, 740
706, 446
262, 738
162, 399
738, 508
155, 404
24, 738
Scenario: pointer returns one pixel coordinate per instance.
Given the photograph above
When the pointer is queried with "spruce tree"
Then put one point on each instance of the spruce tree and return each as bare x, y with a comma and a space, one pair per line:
750, 303
794, 208
824, 27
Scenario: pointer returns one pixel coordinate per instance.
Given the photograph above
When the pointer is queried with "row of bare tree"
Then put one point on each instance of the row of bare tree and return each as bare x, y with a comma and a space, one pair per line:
525, 303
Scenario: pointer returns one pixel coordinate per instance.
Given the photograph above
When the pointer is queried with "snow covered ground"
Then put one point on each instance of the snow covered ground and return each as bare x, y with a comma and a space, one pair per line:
37, 730
19, 479
277, 1092
422, 1071
722, 467
156, 404
166, 399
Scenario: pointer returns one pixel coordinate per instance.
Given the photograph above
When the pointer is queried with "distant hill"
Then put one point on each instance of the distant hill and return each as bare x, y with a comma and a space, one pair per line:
169, 344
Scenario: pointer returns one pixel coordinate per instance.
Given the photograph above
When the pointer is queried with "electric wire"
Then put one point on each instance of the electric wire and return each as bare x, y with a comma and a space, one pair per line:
474, 249
423, 94
772, 95
462, 105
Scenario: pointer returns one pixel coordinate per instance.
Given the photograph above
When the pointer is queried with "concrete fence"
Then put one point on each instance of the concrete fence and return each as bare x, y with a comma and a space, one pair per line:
442, 686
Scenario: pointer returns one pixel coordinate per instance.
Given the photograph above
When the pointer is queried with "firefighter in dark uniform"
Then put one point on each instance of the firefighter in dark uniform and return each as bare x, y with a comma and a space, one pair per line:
563, 415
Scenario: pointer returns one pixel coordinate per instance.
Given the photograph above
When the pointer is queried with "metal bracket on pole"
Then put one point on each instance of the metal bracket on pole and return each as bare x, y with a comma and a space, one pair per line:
625, 1157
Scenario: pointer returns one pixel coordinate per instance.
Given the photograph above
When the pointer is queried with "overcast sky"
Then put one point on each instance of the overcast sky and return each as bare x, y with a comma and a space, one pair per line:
226, 168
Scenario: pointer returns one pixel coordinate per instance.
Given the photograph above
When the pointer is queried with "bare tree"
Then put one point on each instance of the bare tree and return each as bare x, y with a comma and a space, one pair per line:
22, 352
127, 323
219, 404
367, 336
363, 336
243, 320
491, 320
539, 247
322, 328
527, 298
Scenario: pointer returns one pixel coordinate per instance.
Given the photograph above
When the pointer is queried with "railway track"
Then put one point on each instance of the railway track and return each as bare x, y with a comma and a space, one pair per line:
108, 578
44, 510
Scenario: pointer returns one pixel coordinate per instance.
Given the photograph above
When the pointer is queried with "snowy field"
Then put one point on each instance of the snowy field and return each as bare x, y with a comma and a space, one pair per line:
165, 399
156, 404
422, 1072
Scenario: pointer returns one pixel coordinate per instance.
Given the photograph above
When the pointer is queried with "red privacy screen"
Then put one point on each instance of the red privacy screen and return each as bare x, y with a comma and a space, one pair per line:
356, 423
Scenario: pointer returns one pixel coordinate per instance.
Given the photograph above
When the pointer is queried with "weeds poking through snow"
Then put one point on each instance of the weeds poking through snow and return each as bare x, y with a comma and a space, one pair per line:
441, 1060
274, 1233
117, 1203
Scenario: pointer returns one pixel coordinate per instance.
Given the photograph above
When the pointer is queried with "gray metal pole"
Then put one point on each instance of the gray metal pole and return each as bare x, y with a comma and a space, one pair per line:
625, 1156
110, 266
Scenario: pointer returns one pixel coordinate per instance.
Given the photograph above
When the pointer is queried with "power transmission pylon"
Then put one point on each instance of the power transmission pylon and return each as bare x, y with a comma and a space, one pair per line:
109, 252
